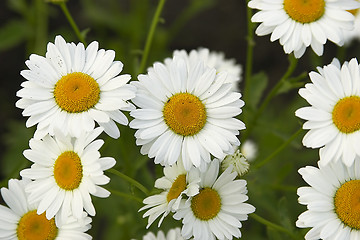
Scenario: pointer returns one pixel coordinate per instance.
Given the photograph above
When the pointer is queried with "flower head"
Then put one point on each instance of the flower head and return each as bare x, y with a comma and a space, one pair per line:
333, 119
72, 88
355, 33
172, 234
238, 161
299, 24
249, 149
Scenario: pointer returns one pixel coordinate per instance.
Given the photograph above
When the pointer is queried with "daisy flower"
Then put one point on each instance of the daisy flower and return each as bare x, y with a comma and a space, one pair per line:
355, 33
176, 182
238, 161
299, 24
66, 171
186, 111
249, 149
72, 88
172, 234
218, 209
332, 200
20, 220
333, 119
215, 60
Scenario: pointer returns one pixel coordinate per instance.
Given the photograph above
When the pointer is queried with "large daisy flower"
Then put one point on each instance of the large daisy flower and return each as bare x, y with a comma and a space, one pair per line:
215, 60
218, 209
66, 171
172, 234
299, 24
20, 221
176, 184
333, 117
186, 111
72, 88
332, 201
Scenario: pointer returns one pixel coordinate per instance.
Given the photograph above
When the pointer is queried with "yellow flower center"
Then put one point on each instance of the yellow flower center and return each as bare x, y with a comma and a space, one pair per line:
304, 11
68, 171
185, 114
206, 205
76, 92
346, 114
36, 227
177, 187
347, 203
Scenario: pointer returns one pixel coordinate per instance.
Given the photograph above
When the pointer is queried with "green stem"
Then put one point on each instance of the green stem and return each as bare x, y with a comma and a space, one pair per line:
130, 180
150, 35
273, 225
249, 54
292, 65
72, 22
278, 150
124, 195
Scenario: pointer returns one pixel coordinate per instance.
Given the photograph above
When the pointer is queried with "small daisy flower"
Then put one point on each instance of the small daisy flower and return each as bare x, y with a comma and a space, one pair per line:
172, 234
186, 112
332, 200
299, 24
66, 171
237, 160
176, 183
21, 221
355, 33
72, 88
249, 149
333, 119
215, 60
218, 209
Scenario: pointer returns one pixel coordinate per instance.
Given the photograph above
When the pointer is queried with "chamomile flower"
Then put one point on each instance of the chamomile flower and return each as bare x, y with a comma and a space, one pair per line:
72, 88
172, 234
355, 33
176, 183
21, 221
66, 171
218, 209
298, 24
333, 119
332, 200
238, 161
187, 112
215, 60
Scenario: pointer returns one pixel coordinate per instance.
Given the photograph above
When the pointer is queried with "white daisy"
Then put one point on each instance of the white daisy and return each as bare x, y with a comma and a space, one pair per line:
172, 234
20, 220
333, 117
186, 111
72, 88
66, 171
299, 24
332, 201
249, 149
215, 60
238, 161
176, 184
218, 209
355, 33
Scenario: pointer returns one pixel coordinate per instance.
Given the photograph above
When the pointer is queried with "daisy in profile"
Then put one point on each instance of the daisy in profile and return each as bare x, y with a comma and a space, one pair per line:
66, 171
332, 200
214, 60
333, 119
298, 24
72, 88
187, 112
172, 234
238, 161
176, 183
217, 210
355, 33
21, 221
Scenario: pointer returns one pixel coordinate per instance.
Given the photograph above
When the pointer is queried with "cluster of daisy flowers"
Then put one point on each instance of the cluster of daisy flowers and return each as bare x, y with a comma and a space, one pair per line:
185, 115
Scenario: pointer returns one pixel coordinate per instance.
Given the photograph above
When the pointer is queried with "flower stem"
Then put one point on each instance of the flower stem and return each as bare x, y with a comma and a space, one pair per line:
125, 195
249, 53
130, 180
72, 22
150, 35
273, 225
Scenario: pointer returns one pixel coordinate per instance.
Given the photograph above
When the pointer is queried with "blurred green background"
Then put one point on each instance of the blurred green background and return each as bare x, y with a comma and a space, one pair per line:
26, 26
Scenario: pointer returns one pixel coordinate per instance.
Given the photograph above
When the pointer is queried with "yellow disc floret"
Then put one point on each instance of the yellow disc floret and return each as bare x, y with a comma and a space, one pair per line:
185, 114
304, 11
76, 92
346, 114
68, 171
177, 187
347, 203
206, 205
36, 227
